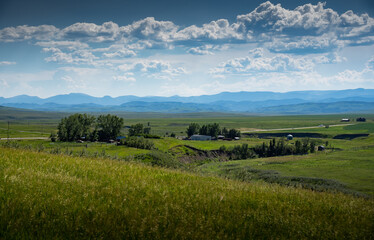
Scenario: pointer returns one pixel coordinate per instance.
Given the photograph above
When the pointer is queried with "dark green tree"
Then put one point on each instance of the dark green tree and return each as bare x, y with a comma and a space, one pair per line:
75, 127
233, 133
192, 129
147, 130
203, 130
136, 130
213, 129
109, 126
225, 132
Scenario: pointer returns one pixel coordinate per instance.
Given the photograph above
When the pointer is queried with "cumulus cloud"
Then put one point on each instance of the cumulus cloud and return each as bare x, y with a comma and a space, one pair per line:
69, 45
370, 64
149, 28
257, 52
308, 28
278, 63
152, 68
108, 31
20, 33
76, 57
126, 77
215, 30
257, 63
207, 49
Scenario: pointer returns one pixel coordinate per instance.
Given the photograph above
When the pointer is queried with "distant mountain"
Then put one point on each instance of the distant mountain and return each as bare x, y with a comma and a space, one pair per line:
298, 102
321, 108
306, 96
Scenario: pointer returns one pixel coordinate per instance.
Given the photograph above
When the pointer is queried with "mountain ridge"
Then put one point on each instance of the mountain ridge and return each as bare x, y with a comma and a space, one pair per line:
79, 98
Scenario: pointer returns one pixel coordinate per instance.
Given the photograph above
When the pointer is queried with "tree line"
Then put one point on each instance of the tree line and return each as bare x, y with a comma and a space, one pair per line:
86, 127
271, 149
212, 130
103, 128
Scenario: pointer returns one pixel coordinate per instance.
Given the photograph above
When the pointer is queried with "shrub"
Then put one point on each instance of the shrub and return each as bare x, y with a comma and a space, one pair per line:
138, 142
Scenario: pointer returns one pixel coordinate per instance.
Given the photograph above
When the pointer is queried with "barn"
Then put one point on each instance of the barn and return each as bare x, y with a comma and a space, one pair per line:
201, 137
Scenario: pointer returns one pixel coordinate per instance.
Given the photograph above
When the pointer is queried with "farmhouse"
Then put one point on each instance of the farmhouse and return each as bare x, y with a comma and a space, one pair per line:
201, 137
345, 120
220, 137
321, 148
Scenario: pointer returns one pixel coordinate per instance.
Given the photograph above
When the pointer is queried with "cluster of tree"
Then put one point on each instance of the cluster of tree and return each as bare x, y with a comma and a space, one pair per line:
82, 126
271, 149
279, 148
137, 142
212, 130
238, 151
139, 130
361, 119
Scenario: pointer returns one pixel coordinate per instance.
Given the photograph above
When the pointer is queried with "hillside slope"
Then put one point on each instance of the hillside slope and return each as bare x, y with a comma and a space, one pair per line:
52, 196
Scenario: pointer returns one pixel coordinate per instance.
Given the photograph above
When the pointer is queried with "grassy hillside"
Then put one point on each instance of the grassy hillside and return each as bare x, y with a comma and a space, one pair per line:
49, 196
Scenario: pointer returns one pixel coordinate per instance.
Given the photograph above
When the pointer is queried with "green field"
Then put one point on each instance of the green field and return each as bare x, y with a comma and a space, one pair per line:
49, 196
101, 190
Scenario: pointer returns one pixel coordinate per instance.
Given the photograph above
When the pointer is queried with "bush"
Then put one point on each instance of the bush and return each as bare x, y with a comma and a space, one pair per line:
158, 158
138, 142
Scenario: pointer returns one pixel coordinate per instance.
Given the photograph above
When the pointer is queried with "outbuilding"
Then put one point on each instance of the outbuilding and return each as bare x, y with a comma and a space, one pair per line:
289, 137
345, 120
201, 137
220, 137
321, 148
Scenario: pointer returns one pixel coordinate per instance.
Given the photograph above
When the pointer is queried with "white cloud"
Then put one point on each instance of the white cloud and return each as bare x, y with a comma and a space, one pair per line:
120, 53
149, 28
76, 57
6, 63
199, 51
24, 32
152, 66
68, 45
257, 52
126, 77
370, 64
306, 28
215, 30
278, 63
108, 31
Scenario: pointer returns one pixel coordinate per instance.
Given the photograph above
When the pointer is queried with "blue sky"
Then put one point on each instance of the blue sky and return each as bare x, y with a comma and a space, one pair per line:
164, 48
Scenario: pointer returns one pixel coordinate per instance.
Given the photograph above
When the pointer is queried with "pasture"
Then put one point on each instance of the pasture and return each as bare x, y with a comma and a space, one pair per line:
56, 196
92, 189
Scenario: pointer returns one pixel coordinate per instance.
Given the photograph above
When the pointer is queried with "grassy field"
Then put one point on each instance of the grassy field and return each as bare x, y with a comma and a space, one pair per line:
55, 196
350, 162
42, 124
100, 190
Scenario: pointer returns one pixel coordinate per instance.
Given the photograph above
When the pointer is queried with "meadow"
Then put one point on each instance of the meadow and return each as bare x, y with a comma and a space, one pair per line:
56, 196
182, 189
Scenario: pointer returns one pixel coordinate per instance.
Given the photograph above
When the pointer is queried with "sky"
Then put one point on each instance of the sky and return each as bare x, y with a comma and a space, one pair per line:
185, 48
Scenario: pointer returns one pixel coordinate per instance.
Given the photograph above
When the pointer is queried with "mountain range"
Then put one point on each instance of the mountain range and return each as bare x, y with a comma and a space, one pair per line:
296, 102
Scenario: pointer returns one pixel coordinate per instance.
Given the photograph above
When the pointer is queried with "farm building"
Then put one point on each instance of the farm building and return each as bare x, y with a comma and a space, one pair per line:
345, 120
120, 137
321, 148
220, 137
201, 138
289, 137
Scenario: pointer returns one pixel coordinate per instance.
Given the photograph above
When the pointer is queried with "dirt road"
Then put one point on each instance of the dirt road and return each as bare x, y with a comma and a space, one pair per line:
297, 128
